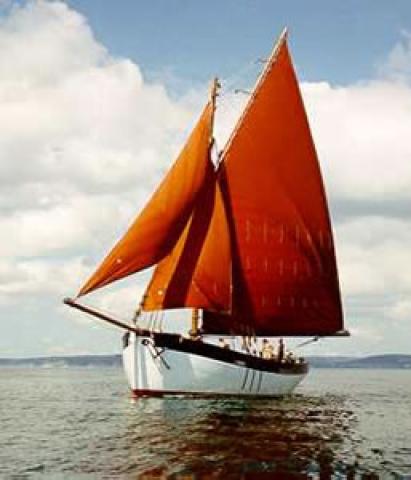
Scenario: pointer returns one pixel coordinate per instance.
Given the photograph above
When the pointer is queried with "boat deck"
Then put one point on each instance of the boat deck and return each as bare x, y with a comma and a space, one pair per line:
227, 355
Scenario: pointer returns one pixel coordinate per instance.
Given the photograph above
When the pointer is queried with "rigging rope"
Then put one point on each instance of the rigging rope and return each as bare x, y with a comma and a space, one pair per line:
155, 317
158, 319
150, 321
239, 75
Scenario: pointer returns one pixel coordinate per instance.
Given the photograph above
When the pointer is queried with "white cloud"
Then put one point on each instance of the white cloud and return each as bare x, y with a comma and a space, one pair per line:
63, 227
362, 133
84, 140
398, 64
373, 256
40, 35
37, 277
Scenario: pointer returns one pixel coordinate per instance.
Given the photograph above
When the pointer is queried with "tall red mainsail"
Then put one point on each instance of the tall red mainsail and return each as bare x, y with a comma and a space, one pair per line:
285, 278
156, 230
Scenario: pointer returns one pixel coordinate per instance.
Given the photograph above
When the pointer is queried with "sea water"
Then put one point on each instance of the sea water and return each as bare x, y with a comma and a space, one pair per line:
81, 423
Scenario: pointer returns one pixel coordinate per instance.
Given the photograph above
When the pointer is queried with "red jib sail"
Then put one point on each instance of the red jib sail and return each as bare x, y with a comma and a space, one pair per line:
156, 230
285, 278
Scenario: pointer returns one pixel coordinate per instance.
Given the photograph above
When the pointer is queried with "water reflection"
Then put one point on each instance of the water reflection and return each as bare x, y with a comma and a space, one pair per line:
80, 424
297, 438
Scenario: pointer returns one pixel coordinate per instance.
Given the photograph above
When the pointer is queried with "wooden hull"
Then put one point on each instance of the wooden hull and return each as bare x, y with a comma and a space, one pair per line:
156, 366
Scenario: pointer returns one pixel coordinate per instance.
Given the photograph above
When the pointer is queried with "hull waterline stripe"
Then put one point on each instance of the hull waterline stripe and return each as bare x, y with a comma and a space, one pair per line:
140, 392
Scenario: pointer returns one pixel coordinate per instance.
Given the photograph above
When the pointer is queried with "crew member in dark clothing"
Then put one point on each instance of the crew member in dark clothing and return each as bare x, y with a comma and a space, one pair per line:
281, 348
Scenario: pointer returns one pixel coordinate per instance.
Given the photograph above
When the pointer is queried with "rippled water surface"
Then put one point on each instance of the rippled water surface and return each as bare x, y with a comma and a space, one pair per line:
82, 424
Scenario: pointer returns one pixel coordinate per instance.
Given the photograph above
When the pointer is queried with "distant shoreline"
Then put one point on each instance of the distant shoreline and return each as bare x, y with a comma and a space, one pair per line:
387, 361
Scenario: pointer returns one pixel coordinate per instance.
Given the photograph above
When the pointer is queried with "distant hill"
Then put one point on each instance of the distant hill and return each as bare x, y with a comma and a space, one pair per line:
64, 361
375, 361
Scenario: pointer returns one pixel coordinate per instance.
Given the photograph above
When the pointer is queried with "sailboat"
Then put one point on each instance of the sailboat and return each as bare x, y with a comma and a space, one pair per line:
245, 243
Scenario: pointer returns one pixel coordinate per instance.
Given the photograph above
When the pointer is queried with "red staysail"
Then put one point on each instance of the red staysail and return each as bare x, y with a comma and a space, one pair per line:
197, 273
285, 278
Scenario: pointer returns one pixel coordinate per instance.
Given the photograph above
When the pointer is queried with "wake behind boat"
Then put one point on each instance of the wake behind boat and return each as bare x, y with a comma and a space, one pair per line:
246, 244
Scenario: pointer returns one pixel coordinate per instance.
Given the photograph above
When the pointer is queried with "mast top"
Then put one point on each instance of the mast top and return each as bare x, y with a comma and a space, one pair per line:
214, 91
283, 35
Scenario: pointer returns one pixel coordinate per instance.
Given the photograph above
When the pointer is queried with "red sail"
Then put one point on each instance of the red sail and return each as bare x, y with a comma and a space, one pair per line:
156, 230
197, 273
285, 278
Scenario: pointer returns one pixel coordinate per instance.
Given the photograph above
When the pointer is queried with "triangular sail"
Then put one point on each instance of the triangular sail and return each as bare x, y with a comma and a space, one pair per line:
197, 273
156, 230
285, 278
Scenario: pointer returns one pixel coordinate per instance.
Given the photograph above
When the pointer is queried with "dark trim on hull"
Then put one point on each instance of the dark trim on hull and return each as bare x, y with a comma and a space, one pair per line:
226, 355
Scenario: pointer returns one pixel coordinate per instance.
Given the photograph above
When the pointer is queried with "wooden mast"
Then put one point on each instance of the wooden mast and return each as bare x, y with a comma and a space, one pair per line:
215, 85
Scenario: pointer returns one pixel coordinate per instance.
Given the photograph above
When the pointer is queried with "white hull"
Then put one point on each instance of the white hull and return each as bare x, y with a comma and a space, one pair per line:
176, 372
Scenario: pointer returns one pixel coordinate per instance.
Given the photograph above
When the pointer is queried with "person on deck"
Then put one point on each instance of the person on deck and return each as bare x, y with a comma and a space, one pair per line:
267, 350
222, 343
289, 358
281, 349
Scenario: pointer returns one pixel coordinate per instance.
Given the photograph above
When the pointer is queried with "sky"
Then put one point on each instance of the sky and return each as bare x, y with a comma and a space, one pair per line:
96, 98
